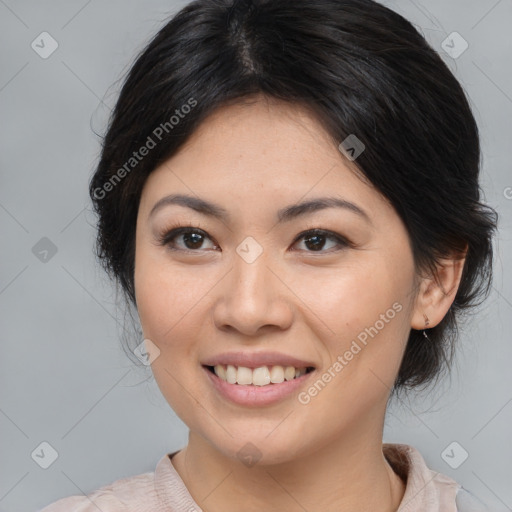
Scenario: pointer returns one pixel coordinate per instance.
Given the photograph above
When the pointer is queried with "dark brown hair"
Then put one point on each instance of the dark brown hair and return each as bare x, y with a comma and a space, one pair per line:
362, 69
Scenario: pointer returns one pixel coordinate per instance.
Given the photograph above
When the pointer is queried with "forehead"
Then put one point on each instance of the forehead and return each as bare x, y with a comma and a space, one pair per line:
257, 155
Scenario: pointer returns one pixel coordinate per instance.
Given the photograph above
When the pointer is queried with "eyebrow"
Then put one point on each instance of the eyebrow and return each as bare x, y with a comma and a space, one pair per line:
284, 215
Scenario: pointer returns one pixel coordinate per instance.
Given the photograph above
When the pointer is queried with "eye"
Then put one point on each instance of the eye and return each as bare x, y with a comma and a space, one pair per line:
192, 239
315, 239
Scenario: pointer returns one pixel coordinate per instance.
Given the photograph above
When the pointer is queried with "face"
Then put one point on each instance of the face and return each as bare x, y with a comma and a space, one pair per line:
262, 285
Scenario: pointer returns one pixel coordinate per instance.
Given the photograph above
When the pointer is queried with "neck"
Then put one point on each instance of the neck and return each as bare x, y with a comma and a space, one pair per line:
349, 474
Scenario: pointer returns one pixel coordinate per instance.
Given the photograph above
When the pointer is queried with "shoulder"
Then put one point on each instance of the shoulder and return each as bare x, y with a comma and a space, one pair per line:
426, 489
118, 496
106, 502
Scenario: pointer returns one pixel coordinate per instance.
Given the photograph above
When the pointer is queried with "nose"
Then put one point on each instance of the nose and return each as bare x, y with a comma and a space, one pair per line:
253, 297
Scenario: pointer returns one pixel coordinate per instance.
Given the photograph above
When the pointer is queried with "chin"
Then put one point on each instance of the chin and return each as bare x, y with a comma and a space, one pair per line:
257, 446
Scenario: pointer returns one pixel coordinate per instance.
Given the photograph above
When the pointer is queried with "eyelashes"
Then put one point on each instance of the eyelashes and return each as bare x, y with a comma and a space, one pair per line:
317, 233
195, 238
167, 237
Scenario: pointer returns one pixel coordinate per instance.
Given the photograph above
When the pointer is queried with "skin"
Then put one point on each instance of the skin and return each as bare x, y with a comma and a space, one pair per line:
202, 299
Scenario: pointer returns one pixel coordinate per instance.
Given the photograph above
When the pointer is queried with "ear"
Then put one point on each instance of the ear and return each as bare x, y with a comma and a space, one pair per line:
437, 293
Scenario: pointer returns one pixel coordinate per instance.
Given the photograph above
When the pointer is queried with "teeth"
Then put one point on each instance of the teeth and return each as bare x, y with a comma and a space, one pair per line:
277, 374
230, 374
261, 376
244, 375
289, 373
221, 372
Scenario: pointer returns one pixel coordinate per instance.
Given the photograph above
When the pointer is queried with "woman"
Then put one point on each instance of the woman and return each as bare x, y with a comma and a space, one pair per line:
288, 194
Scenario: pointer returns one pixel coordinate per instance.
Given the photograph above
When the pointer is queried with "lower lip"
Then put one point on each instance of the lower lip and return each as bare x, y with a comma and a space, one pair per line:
251, 395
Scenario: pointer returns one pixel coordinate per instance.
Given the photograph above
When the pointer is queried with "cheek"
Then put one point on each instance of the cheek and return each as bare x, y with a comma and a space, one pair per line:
174, 305
361, 311
165, 303
165, 296
368, 314
352, 297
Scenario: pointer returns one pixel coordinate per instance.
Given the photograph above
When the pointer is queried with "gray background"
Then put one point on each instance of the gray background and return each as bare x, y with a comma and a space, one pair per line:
64, 378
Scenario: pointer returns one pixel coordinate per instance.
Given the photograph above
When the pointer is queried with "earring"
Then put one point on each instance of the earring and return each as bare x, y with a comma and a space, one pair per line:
427, 322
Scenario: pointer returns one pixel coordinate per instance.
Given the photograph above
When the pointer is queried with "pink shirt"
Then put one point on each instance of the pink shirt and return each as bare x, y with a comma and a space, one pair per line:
164, 490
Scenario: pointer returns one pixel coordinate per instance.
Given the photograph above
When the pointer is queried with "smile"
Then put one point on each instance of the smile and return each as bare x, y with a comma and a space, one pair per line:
256, 387
261, 376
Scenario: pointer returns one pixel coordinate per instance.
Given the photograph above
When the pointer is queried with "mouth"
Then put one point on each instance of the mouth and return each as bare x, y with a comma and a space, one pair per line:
255, 379
261, 376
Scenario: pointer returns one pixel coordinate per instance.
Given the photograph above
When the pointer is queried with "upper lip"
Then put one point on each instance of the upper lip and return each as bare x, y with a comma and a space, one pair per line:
256, 359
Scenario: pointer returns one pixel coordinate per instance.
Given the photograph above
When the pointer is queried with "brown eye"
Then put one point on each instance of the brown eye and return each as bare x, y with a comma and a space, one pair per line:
315, 240
191, 239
